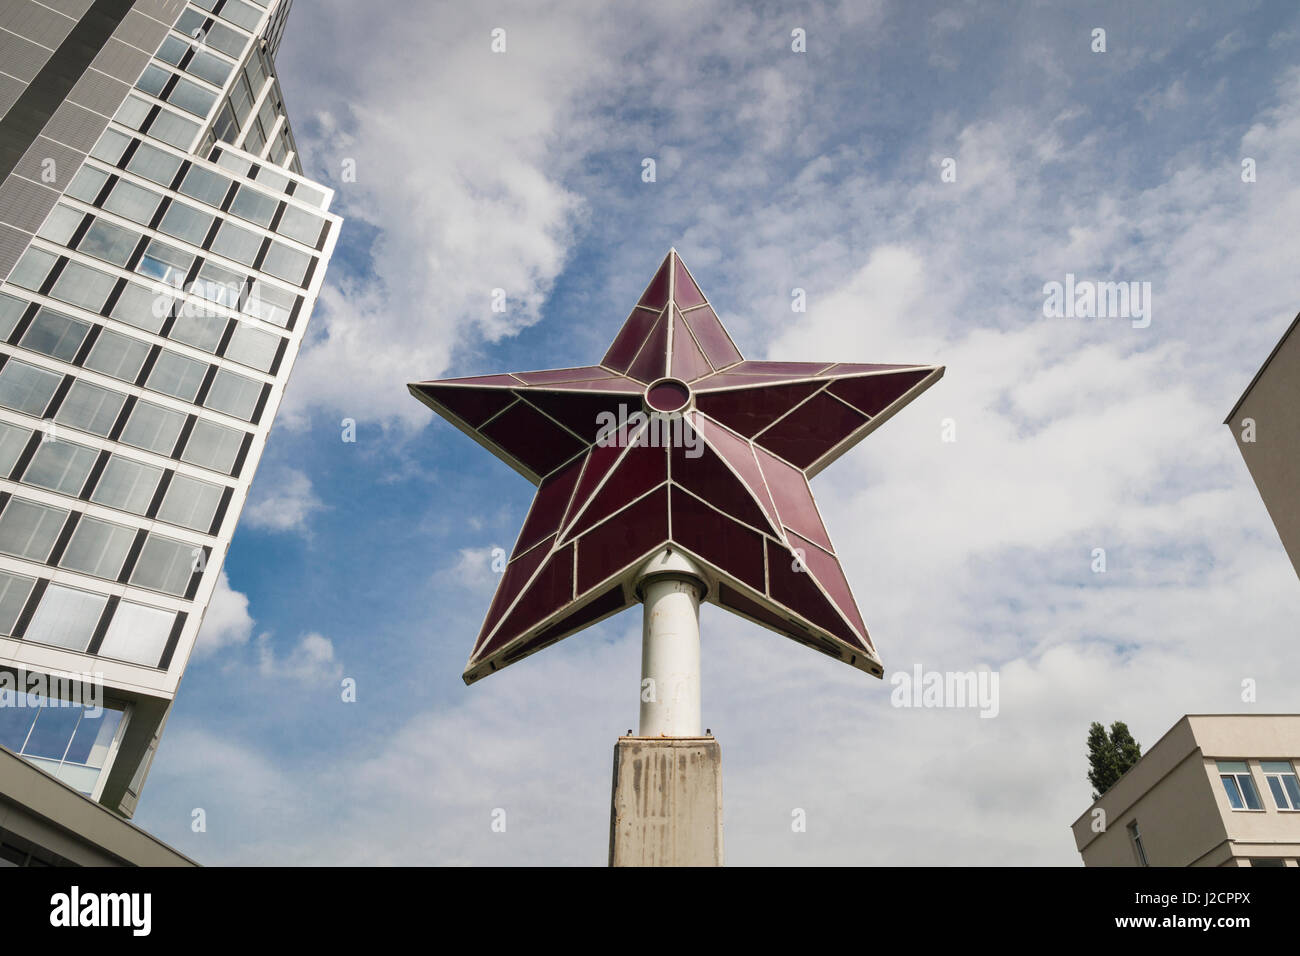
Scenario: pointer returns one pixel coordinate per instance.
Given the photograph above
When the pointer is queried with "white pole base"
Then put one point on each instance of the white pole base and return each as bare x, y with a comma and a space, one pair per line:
671, 587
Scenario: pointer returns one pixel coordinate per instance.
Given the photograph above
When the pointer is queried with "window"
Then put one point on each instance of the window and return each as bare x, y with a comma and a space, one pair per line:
208, 67
1239, 785
11, 310
153, 428
117, 355
190, 503
133, 112
1136, 838
138, 634
193, 327
253, 347
301, 225
185, 222
165, 565
67, 617
152, 80
233, 394
213, 446
132, 202
142, 307
252, 205
90, 408
61, 466
83, 286
240, 14
14, 589
13, 439
1281, 777
1268, 861
173, 130
127, 485
230, 42
270, 303
60, 224
32, 268
63, 739
152, 163
97, 548
235, 242
110, 242
172, 50
191, 97
205, 186
29, 530
174, 374
111, 146
26, 388
87, 184
55, 334
219, 285
165, 263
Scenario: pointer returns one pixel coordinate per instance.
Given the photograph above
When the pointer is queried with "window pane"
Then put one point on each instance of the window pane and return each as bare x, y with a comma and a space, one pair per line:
83, 286
172, 50
26, 388
190, 503
127, 485
110, 242
66, 617
60, 224
228, 41
56, 334
152, 80
153, 163
117, 355
165, 263
191, 97
219, 285
301, 225
98, 548
11, 310
133, 202
153, 428
270, 303
132, 113
173, 130
1248, 792
233, 394
138, 634
29, 530
174, 374
164, 565
208, 67
202, 331
1234, 794
236, 243
186, 222
213, 446
61, 466
14, 589
205, 186
32, 269
111, 146
253, 205
142, 307
90, 408
87, 183
13, 439
240, 14
253, 347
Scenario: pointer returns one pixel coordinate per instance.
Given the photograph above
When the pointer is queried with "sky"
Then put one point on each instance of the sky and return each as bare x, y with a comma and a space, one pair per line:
830, 171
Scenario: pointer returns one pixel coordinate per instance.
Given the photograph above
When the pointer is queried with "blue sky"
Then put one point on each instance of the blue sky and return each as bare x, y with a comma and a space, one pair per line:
775, 170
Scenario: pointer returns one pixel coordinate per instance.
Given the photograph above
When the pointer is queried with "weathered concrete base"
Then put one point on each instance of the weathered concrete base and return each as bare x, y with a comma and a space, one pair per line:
667, 803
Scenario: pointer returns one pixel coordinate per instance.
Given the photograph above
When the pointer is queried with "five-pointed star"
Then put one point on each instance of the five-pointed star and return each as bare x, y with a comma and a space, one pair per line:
730, 490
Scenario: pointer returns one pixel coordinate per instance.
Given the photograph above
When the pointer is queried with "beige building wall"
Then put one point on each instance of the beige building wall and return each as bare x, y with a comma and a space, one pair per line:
1271, 446
1181, 809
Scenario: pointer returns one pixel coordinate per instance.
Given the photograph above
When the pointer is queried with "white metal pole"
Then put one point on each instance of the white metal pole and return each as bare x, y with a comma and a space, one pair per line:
670, 650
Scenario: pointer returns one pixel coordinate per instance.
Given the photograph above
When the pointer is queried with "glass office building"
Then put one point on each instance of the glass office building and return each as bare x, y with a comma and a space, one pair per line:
161, 253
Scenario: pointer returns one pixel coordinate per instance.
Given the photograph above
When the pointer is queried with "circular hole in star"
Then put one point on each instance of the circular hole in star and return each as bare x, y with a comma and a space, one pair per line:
668, 395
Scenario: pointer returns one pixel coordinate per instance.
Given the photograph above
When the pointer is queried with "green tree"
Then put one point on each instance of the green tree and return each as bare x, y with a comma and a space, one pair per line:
1110, 755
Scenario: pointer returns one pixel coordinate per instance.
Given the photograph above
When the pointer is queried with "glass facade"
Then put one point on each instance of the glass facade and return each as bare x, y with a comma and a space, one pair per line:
146, 332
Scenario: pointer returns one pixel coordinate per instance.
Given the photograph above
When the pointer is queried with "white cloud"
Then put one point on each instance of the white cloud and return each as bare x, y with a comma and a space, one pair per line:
227, 622
311, 660
281, 500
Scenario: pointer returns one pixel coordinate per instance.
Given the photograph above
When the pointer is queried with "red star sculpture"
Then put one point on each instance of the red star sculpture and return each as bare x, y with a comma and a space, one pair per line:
674, 440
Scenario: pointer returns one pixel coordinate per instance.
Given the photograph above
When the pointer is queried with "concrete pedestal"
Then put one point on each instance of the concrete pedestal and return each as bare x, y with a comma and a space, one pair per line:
667, 803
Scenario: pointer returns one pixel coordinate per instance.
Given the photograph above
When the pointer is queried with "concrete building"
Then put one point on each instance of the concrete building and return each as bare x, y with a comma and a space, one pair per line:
1215, 790
160, 254
1266, 425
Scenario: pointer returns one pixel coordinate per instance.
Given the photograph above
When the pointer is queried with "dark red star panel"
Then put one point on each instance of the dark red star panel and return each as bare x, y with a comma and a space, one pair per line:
674, 439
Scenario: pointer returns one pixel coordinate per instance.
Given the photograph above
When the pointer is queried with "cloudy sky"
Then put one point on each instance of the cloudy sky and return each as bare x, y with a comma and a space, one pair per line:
775, 170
